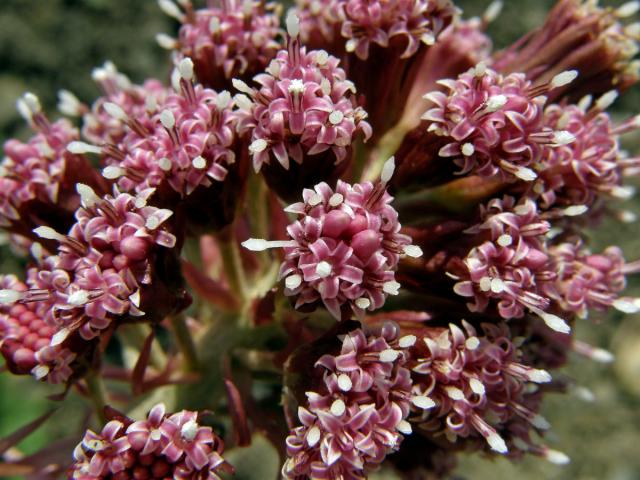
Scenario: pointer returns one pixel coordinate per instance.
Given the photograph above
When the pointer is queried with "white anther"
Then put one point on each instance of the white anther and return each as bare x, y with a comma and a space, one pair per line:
28, 105
115, 111
247, 7
199, 162
468, 149
493, 11
575, 210
325, 86
48, 233
606, 100
223, 100
322, 57
627, 9
563, 78
242, 101
495, 103
338, 407
293, 281
323, 269
413, 251
68, 103
480, 69
485, 284
585, 103
59, 337
623, 193
404, 427
40, 371
165, 164
477, 386
167, 119
171, 9
112, 172
525, 174
313, 436
626, 305
293, 25
258, 145
157, 218
601, 355
296, 86
8, 296
454, 393
78, 298
344, 382
505, 240
423, 402
336, 199
151, 104
540, 422
553, 321
472, 343
336, 117
363, 303
80, 148
185, 67
189, 431
135, 298
392, 287
539, 376
258, 244
428, 38
88, 197
556, 457
496, 443
214, 25
407, 341
387, 170
315, 199
389, 355
241, 86
563, 137
166, 41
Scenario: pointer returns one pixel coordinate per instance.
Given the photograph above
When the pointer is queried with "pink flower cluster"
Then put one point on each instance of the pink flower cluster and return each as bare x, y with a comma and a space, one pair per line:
344, 248
162, 446
359, 416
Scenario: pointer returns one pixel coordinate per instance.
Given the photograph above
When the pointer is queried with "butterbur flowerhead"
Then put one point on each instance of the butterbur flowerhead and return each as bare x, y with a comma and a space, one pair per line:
234, 40
162, 446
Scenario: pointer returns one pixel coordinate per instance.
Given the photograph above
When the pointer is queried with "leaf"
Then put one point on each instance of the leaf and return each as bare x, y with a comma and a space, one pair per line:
260, 461
23, 432
208, 288
238, 415
137, 377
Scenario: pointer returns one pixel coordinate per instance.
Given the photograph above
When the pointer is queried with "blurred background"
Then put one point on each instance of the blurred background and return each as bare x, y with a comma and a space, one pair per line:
46, 45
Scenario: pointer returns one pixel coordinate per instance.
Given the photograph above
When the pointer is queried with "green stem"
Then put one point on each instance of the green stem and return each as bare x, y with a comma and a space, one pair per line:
97, 394
134, 335
233, 269
185, 342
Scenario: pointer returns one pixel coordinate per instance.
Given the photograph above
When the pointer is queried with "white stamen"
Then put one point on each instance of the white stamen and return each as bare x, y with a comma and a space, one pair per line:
166, 41
495, 103
258, 244
325, 86
627, 9
77, 298
323, 269
477, 386
563, 137
626, 305
468, 149
454, 393
539, 376
496, 443
293, 25
315, 199
185, 67
480, 69
336, 117
497, 285
293, 281
157, 218
88, 197
151, 104
199, 162
171, 9
40, 371
493, 11
601, 355
8, 296
165, 164
553, 321
167, 119
556, 457
112, 172
485, 284
623, 193
472, 343
585, 103
525, 174
69, 104
296, 86
423, 402
47, 233
313, 436
606, 100
80, 148
336, 199
540, 422
322, 57
391, 287
59, 337
214, 25
407, 341
404, 427
223, 100
505, 240
387, 170
189, 431
389, 355
344, 382
258, 145
241, 86
575, 210
363, 303
28, 105
413, 251
135, 298
564, 78
627, 216
115, 111
338, 407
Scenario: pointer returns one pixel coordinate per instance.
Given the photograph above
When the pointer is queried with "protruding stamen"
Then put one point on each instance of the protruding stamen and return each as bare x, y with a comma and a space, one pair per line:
336, 117
407, 341
167, 119
157, 218
338, 407
115, 111
575, 210
423, 402
553, 321
171, 9
258, 146
80, 148
88, 197
504, 240
556, 457
313, 436
477, 386
344, 382
563, 137
336, 199
223, 100
113, 172
564, 78
363, 303
242, 86
68, 104
495, 103
606, 100
392, 287
493, 11
387, 170
166, 41
413, 251
293, 25
185, 67
189, 431
8, 296
293, 281
199, 162
323, 269
78, 298
48, 233
259, 245
627, 9
468, 149
165, 164
496, 443
389, 355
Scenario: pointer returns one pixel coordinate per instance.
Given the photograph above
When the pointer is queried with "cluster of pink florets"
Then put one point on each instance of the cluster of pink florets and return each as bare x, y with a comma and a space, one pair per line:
162, 446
